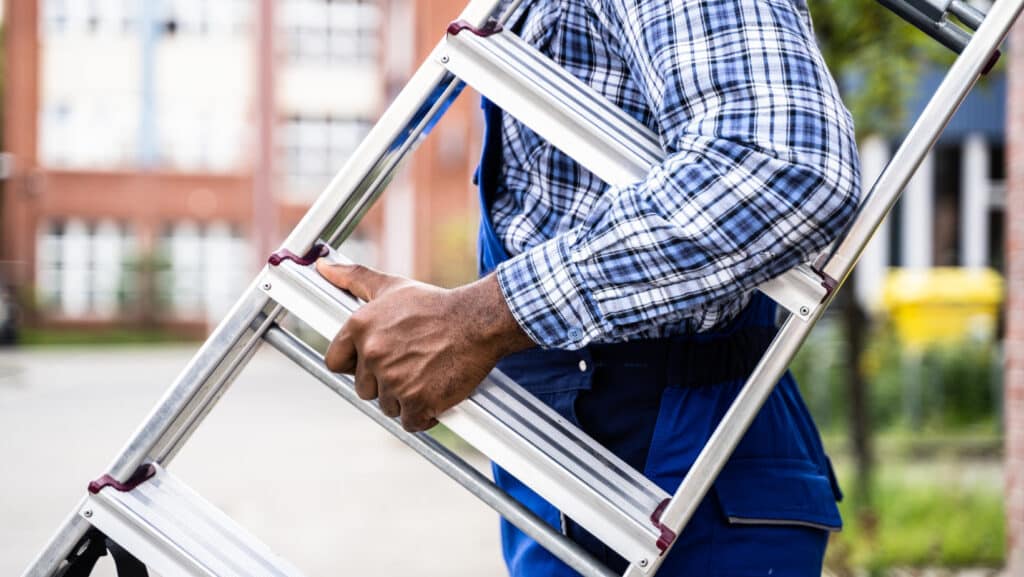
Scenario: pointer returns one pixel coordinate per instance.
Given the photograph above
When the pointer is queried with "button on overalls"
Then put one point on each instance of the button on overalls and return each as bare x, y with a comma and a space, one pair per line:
655, 403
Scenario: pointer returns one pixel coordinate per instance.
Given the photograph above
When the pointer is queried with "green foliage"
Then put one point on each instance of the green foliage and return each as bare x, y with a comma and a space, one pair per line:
875, 56
953, 388
146, 286
915, 523
36, 337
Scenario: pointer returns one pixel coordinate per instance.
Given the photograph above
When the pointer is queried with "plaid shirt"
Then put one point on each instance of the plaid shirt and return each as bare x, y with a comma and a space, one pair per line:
761, 169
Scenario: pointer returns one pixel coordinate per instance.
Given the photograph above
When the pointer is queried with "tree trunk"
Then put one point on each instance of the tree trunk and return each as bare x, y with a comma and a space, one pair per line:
855, 322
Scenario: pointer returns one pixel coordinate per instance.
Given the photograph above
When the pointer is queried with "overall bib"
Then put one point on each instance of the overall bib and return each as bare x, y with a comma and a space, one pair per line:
654, 403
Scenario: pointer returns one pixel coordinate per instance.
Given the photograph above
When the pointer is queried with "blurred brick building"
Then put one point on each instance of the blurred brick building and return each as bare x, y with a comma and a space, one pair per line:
159, 149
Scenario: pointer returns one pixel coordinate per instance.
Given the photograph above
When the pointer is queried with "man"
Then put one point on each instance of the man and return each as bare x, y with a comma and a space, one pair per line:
631, 310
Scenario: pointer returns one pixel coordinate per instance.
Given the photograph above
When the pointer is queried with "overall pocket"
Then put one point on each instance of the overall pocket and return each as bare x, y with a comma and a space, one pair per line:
777, 492
766, 514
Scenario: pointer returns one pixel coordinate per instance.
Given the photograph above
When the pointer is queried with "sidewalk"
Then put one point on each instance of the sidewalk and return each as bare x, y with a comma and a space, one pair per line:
283, 456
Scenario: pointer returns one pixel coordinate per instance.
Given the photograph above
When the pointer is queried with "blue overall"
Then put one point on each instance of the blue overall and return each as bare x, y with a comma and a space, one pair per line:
654, 403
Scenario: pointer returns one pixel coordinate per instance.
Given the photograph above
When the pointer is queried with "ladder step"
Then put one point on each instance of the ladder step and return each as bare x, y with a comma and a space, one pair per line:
174, 531
585, 125
514, 429
570, 115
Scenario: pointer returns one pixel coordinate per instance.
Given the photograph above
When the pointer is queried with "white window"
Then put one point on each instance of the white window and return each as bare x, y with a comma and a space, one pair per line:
50, 265
183, 251
84, 269
104, 17
315, 149
206, 17
337, 32
55, 16
203, 270
88, 132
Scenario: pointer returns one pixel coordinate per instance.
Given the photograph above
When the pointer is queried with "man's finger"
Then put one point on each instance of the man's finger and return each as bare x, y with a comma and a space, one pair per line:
341, 355
416, 421
363, 282
366, 383
389, 405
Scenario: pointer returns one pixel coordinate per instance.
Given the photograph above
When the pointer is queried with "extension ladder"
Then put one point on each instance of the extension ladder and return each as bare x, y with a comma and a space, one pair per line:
141, 508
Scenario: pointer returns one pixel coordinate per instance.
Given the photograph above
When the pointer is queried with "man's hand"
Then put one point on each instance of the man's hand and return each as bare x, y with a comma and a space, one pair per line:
420, 349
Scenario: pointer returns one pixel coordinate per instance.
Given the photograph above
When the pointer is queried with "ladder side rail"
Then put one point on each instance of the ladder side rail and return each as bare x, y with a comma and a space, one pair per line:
238, 353
937, 26
443, 458
337, 209
886, 191
414, 111
207, 371
922, 137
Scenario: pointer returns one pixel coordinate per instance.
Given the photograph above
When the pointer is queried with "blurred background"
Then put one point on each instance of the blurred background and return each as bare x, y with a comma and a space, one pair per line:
155, 151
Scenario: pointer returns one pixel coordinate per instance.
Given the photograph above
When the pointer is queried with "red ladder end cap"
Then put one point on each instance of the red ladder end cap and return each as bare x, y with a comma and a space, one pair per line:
140, 476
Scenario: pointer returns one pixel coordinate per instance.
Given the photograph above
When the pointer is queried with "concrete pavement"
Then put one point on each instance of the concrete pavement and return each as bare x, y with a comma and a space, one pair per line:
282, 455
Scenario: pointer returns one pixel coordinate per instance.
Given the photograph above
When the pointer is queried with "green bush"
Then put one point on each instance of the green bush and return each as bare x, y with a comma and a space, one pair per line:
952, 387
915, 524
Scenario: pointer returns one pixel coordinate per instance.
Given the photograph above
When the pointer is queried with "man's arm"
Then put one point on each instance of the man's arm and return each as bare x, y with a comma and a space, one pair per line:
761, 173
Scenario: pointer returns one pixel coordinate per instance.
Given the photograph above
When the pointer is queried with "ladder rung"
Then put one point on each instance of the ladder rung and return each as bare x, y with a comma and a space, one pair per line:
514, 429
582, 123
174, 531
559, 107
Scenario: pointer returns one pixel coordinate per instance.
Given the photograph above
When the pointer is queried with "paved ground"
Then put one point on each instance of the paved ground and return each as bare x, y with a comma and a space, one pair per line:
282, 455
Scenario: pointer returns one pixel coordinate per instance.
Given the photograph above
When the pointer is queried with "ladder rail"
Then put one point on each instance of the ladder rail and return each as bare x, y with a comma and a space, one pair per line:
887, 189
923, 16
443, 458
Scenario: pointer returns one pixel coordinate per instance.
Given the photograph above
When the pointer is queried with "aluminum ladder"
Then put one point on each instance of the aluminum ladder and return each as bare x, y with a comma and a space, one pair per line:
139, 505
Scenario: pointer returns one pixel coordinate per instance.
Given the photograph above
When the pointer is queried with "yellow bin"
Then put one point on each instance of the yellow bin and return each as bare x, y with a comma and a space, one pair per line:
943, 305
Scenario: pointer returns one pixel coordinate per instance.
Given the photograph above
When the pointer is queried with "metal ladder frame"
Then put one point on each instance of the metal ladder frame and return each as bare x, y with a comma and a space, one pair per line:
337, 211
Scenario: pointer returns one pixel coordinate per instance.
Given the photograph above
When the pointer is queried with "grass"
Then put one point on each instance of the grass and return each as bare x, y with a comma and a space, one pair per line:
95, 337
925, 514
900, 445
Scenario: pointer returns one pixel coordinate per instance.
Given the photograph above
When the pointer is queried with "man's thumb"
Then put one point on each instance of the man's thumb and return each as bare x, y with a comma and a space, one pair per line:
361, 281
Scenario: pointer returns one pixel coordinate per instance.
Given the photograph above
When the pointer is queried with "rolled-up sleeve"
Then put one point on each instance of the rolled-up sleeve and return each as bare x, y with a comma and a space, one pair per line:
760, 173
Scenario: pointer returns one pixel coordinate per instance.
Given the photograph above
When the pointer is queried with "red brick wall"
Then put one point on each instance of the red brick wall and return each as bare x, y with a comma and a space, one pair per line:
441, 169
22, 87
1014, 381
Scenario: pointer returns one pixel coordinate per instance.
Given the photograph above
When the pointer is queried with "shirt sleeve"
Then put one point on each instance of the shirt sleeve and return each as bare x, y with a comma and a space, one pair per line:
761, 173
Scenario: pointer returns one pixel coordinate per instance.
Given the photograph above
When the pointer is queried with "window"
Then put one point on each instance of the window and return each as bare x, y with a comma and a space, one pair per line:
330, 31
202, 269
85, 269
89, 16
94, 98
89, 131
55, 17
205, 17
997, 162
315, 149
